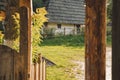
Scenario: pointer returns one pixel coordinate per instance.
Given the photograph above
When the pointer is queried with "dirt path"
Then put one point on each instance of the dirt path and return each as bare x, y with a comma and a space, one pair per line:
108, 64
79, 69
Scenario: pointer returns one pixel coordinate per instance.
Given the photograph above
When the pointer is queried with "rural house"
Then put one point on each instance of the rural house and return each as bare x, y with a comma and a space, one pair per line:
65, 16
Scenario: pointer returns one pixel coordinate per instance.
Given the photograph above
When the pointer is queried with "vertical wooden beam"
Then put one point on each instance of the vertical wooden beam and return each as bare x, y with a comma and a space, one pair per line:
116, 40
28, 4
44, 70
25, 40
95, 39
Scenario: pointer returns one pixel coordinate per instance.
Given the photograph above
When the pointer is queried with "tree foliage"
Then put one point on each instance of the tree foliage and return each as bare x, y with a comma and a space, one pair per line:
38, 19
109, 10
37, 4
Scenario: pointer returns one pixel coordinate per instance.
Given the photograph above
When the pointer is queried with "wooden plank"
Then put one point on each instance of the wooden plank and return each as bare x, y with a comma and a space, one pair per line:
41, 67
95, 42
44, 70
34, 72
116, 40
37, 70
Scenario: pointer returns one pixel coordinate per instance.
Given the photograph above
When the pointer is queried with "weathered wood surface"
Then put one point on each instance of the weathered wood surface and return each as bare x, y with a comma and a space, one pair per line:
95, 40
25, 31
25, 41
11, 67
116, 40
25, 34
38, 69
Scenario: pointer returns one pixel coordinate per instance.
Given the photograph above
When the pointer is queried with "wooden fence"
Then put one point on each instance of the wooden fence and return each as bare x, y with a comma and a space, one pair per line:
38, 69
12, 67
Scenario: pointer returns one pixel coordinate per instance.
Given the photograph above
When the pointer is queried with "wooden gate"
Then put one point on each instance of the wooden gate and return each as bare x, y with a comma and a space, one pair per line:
38, 69
11, 64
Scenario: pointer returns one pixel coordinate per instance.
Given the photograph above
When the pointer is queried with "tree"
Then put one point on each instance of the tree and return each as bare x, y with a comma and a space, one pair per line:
109, 10
38, 19
37, 4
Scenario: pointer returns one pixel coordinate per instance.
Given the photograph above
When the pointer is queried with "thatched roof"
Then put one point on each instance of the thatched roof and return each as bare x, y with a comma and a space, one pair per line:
66, 11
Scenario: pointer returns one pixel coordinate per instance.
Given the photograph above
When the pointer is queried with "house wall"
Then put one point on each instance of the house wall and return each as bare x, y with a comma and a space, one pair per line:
66, 29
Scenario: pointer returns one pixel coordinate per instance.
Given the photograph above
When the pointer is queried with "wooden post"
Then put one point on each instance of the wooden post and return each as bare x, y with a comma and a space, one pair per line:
28, 5
41, 67
95, 40
116, 40
37, 71
25, 41
34, 71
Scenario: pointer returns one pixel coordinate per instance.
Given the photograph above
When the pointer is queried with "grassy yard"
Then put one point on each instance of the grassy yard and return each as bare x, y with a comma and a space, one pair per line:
62, 56
62, 51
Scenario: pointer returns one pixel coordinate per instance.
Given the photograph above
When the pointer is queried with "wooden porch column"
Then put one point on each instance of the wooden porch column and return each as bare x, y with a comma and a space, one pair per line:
116, 40
26, 36
95, 40
25, 41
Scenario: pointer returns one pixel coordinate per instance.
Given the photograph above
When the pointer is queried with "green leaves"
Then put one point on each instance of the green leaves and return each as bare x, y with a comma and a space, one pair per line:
38, 19
109, 9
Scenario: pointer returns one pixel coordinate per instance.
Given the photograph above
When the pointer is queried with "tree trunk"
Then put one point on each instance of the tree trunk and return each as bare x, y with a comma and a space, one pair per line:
116, 40
95, 39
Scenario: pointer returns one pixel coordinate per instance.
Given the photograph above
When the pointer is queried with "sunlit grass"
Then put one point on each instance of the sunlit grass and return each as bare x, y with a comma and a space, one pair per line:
63, 51
62, 56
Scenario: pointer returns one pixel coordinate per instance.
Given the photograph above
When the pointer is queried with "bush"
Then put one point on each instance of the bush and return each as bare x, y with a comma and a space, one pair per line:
68, 40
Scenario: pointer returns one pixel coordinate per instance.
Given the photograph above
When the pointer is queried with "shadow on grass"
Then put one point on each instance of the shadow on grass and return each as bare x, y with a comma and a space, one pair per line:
69, 40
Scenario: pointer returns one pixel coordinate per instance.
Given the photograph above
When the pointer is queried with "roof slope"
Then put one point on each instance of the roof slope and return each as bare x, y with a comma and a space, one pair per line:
66, 11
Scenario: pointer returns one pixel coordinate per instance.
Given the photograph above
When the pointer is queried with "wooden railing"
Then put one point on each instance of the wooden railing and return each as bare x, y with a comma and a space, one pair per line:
38, 69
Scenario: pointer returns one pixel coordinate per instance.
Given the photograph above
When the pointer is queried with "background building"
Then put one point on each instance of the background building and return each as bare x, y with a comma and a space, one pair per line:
65, 16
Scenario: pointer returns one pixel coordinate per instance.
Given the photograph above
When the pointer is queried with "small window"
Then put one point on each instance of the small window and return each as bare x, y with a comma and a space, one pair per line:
59, 26
78, 28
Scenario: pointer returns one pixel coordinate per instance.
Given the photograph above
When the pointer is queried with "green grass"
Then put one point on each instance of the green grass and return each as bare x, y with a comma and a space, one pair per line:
73, 41
109, 40
70, 40
109, 36
62, 51
62, 56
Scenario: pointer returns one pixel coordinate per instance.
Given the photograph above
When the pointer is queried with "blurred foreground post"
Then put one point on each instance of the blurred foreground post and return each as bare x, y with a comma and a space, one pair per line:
95, 36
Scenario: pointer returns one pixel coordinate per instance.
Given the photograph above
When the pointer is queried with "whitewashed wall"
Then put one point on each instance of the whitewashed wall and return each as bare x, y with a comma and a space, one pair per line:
66, 29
